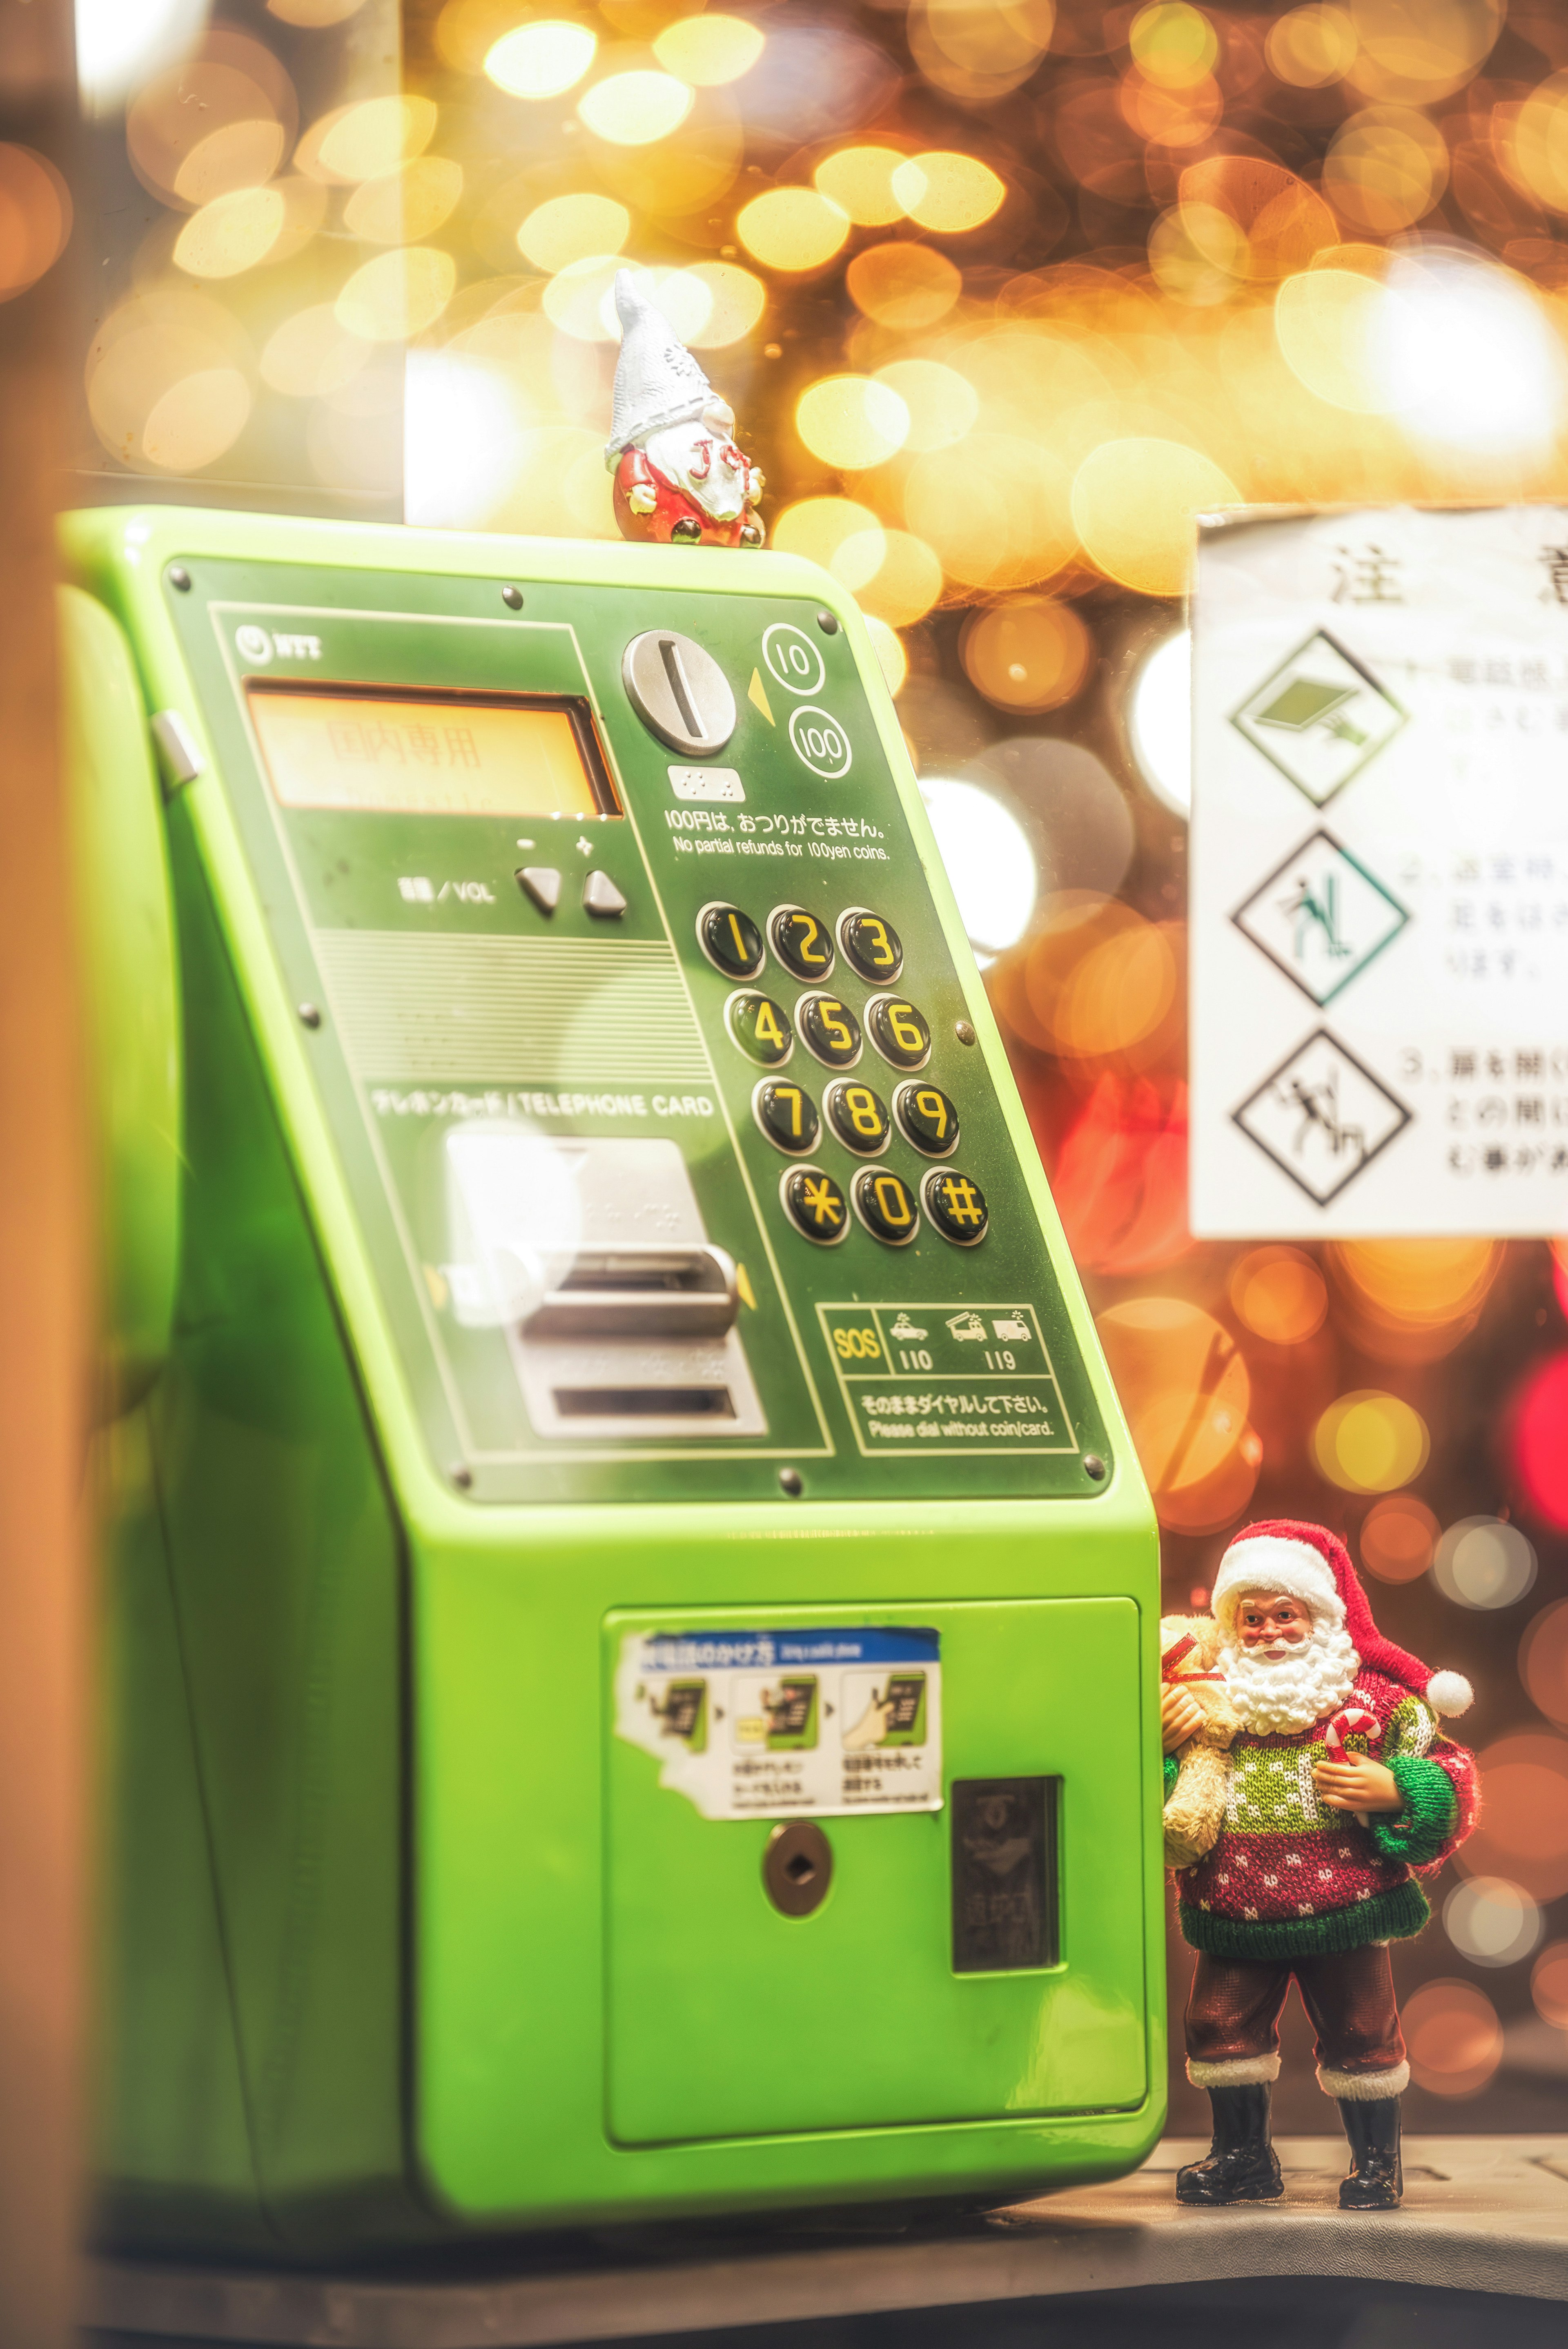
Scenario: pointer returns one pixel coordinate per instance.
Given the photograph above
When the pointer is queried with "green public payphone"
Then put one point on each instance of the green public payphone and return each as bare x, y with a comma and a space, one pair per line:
632, 1613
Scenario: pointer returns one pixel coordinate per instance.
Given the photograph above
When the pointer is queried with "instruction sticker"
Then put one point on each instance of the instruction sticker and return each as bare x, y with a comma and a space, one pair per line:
777, 1725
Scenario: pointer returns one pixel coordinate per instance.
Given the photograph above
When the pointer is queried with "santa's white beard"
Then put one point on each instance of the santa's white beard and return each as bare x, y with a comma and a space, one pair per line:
1295, 1690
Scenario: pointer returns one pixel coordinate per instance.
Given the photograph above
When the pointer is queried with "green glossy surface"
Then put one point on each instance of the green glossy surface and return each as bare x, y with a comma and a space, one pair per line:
396, 1921
125, 930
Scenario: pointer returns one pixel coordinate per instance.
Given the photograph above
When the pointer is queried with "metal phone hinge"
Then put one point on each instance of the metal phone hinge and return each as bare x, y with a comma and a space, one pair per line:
640, 1290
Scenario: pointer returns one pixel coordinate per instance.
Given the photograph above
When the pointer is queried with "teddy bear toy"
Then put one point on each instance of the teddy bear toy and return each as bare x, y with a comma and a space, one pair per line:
1189, 1650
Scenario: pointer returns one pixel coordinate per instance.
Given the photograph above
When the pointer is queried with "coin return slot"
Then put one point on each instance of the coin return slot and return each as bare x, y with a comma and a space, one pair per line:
645, 1291
644, 1403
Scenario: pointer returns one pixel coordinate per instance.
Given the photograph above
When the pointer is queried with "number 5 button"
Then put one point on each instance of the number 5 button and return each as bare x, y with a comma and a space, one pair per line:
831, 1031
901, 1033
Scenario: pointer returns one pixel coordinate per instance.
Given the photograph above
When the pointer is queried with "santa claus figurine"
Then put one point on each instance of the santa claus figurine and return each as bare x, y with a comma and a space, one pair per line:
1341, 1783
679, 477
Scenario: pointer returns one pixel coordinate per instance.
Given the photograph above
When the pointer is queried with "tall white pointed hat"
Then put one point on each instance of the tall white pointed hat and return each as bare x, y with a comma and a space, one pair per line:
658, 381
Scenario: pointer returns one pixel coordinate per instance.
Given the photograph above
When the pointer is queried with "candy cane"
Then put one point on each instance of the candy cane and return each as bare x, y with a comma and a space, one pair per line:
1352, 1721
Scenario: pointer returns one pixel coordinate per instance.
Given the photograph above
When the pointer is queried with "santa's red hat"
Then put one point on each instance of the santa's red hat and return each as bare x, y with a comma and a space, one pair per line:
1309, 1563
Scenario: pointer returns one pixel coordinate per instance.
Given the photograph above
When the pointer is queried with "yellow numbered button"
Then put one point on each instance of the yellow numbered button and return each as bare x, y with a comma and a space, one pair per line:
731, 941
787, 1114
927, 1118
901, 1033
872, 944
831, 1029
815, 1205
956, 1206
802, 944
860, 1118
886, 1205
760, 1026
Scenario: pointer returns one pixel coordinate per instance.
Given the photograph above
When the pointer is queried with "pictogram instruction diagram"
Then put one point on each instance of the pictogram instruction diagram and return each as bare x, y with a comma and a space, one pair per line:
1379, 874
784, 1723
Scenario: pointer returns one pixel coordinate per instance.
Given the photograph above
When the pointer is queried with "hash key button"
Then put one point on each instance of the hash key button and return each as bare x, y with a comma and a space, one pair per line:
956, 1206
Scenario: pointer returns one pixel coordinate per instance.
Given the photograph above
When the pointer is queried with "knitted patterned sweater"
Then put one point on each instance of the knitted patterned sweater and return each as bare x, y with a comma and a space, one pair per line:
1288, 1877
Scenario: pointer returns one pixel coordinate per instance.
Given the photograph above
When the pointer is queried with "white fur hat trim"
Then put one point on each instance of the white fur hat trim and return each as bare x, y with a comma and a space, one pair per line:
658, 381
1450, 1692
1268, 1562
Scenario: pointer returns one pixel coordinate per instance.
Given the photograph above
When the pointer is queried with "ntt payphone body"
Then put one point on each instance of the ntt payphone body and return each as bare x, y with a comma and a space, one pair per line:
632, 1613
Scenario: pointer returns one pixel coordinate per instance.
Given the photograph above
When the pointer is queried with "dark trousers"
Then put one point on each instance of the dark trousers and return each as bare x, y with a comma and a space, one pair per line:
1234, 2007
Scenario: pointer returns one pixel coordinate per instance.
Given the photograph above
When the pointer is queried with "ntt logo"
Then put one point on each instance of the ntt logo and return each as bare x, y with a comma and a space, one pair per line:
254, 645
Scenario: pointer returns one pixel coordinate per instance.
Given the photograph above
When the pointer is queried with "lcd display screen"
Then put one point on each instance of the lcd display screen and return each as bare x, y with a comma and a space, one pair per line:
435, 754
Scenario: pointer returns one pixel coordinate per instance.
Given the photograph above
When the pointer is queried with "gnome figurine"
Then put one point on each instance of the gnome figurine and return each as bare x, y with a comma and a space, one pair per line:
679, 477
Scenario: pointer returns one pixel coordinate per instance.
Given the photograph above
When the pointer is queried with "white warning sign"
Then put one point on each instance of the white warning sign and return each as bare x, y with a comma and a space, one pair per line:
784, 1724
1379, 876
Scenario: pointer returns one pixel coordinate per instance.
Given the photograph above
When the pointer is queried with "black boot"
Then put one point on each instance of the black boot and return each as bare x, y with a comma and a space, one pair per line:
1375, 2182
1242, 2165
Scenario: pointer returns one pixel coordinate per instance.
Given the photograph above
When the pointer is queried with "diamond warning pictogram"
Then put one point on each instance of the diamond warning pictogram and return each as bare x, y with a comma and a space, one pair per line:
1322, 1116
1320, 718
1321, 916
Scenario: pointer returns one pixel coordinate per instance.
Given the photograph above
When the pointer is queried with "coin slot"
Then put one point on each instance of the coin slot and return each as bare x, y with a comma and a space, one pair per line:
669, 653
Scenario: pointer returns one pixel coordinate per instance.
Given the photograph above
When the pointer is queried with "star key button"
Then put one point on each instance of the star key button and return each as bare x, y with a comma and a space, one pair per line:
731, 941
956, 1206
815, 1205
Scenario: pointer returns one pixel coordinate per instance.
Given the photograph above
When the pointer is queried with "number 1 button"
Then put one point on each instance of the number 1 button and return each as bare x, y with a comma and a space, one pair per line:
731, 941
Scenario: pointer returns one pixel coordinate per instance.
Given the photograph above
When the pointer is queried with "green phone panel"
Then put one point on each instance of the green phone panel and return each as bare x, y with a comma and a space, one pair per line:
604, 1225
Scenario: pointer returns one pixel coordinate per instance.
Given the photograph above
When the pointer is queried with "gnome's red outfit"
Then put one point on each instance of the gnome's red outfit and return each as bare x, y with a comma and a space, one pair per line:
1293, 1887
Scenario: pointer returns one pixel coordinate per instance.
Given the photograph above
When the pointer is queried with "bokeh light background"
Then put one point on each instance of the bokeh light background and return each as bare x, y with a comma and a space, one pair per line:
1002, 293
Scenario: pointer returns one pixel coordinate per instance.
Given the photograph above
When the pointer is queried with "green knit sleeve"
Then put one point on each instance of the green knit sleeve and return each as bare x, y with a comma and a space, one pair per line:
1172, 1771
1418, 1832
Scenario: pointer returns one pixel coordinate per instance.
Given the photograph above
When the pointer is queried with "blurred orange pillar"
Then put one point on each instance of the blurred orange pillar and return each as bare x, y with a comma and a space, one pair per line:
45, 1245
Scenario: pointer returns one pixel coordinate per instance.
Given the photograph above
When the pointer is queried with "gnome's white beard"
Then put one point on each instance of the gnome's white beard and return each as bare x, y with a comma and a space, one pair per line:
1295, 1690
702, 460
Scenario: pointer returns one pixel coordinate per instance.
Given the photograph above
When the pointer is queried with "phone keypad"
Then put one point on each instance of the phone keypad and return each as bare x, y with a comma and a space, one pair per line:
888, 1205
